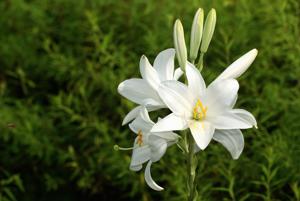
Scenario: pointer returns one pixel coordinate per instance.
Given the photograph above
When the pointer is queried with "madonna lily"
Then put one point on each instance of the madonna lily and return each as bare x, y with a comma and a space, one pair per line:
144, 91
205, 111
148, 146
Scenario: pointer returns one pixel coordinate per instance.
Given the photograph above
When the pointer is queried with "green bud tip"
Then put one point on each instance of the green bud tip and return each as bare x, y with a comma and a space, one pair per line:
196, 34
208, 31
179, 43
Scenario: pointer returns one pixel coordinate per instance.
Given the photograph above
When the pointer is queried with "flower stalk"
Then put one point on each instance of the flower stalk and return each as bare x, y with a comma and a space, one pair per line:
191, 168
191, 163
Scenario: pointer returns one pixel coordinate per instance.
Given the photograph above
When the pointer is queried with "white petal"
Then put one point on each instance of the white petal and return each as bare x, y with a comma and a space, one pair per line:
164, 64
238, 67
152, 102
228, 120
177, 97
149, 179
158, 147
221, 94
169, 136
232, 140
141, 123
202, 132
139, 156
178, 73
136, 168
195, 80
247, 116
148, 103
137, 90
149, 73
145, 116
233, 102
131, 115
171, 122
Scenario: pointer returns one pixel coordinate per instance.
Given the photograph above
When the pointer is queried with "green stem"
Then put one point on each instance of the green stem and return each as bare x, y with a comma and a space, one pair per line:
200, 61
191, 168
191, 159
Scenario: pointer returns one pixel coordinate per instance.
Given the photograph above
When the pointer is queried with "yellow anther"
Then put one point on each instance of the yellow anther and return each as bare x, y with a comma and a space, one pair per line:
140, 138
199, 111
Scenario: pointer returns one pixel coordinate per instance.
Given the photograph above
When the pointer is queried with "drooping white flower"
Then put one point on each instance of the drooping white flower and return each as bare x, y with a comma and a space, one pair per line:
148, 146
144, 91
208, 112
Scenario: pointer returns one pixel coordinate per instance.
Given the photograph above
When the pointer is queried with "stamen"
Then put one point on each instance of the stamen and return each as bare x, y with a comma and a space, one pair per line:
199, 111
140, 138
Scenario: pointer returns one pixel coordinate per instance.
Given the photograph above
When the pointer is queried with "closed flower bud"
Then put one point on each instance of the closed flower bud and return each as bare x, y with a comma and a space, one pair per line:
179, 44
196, 34
208, 31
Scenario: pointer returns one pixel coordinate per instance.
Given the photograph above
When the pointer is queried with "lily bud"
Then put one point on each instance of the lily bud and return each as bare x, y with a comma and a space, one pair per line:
179, 44
208, 31
196, 34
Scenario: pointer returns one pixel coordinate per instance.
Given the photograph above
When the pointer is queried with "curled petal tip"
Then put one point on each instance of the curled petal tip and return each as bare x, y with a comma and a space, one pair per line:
254, 51
151, 183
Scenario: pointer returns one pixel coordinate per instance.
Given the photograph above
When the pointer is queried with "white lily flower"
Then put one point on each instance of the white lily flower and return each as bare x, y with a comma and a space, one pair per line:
208, 112
148, 146
144, 91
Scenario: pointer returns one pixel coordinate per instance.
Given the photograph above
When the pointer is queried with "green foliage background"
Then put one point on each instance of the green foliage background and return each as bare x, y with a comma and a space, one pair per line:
60, 65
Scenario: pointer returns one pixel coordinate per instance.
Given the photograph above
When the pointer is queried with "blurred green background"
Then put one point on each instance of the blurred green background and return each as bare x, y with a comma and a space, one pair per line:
60, 65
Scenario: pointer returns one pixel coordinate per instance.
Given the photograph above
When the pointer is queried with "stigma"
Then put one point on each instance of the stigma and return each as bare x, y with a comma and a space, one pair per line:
199, 111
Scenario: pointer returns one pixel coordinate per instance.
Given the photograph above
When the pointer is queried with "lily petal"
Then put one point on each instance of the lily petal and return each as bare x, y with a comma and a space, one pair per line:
220, 94
232, 140
177, 74
137, 90
170, 136
131, 115
145, 115
247, 116
233, 102
195, 80
164, 64
229, 120
136, 168
238, 67
149, 179
171, 122
158, 147
141, 124
148, 103
202, 132
176, 96
139, 156
149, 73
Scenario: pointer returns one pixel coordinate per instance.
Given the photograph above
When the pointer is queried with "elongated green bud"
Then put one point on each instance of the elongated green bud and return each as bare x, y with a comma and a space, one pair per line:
179, 44
208, 31
196, 34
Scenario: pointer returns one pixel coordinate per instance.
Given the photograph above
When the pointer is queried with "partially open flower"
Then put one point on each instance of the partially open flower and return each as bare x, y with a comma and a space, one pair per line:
148, 146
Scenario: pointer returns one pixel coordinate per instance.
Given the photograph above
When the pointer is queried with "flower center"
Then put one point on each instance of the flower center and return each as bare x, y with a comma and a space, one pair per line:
140, 138
199, 111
